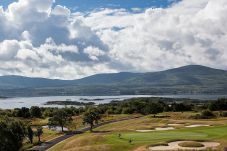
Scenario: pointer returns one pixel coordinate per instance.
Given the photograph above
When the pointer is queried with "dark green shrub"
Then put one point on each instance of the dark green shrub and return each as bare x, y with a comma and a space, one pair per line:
224, 114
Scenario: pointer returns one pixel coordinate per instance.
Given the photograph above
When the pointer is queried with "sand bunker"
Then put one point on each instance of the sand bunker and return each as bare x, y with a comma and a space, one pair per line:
145, 130
164, 128
157, 129
175, 146
197, 125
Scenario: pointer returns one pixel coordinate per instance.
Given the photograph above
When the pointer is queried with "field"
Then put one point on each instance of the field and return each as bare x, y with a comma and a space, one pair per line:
106, 138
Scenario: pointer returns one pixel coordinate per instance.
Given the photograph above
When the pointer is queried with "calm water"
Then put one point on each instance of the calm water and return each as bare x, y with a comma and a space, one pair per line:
11, 103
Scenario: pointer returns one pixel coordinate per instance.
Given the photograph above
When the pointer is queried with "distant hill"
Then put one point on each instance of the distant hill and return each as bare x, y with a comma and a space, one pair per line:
192, 79
12, 81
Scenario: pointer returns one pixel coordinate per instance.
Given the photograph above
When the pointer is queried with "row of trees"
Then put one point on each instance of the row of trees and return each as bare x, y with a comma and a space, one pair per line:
143, 106
39, 112
24, 112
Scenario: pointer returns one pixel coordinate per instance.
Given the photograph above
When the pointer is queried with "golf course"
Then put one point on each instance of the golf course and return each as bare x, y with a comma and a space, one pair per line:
124, 135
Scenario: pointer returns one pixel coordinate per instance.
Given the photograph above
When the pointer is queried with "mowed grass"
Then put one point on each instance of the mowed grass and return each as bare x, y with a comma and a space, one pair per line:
106, 138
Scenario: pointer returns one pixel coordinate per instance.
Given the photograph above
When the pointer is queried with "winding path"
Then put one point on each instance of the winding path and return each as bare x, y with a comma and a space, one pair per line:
47, 145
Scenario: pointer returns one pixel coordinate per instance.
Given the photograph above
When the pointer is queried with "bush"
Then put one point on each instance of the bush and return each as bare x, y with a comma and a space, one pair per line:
206, 114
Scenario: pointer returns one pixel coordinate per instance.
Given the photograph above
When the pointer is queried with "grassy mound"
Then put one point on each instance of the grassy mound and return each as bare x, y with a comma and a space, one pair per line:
191, 144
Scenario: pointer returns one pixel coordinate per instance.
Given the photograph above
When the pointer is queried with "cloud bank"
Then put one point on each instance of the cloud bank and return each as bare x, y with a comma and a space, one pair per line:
40, 39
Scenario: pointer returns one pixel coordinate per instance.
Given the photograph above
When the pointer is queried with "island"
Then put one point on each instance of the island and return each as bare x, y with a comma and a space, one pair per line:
70, 103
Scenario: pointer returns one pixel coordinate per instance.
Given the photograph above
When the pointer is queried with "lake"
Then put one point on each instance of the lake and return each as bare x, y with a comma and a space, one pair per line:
11, 103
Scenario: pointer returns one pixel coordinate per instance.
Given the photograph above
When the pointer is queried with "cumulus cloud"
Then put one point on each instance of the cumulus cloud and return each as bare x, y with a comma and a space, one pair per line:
40, 39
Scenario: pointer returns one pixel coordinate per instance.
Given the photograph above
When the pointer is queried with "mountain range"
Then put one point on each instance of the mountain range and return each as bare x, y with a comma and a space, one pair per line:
191, 79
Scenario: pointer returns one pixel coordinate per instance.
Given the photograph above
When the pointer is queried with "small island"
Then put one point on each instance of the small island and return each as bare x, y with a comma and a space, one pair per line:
69, 103
2, 97
91, 99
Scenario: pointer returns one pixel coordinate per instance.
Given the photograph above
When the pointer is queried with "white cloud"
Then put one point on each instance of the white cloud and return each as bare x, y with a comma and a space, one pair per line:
94, 52
8, 49
40, 39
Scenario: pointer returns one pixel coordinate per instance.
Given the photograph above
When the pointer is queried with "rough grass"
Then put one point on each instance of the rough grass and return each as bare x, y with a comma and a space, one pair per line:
135, 124
83, 143
78, 120
191, 144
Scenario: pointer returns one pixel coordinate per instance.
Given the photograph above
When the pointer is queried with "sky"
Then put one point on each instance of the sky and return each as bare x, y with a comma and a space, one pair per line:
73, 39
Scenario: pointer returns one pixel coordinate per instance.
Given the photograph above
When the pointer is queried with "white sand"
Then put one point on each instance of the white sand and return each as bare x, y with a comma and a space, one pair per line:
164, 128
145, 130
175, 146
157, 129
197, 125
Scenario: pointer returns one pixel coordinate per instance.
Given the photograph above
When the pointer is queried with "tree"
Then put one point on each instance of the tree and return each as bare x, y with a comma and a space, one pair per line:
60, 118
23, 112
30, 134
35, 111
39, 132
91, 117
12, 133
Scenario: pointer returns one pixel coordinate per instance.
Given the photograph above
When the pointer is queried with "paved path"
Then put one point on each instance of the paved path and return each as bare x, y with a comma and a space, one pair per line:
51, 143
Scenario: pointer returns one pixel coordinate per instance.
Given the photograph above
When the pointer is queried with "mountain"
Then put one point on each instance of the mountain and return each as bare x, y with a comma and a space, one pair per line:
192, 79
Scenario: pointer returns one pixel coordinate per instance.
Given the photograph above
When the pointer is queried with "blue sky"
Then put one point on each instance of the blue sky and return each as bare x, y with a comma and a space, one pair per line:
86, 5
